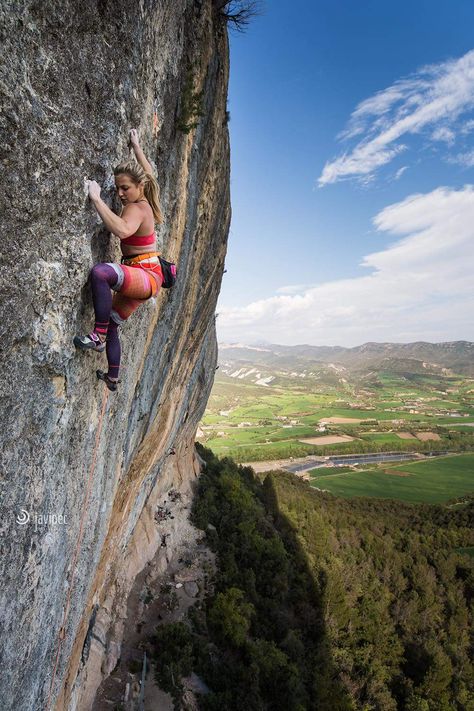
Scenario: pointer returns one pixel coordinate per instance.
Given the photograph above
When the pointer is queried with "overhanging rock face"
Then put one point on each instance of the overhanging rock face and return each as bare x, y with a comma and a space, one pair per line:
87, 467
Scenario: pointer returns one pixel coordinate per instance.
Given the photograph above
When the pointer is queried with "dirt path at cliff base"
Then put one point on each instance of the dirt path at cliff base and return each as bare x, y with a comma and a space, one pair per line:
157, 599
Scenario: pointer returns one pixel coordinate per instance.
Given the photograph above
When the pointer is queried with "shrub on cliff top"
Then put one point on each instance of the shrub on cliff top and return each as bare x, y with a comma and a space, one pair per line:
239, 13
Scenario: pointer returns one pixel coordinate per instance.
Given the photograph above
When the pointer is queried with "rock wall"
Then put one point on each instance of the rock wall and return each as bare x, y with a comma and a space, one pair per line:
83, 467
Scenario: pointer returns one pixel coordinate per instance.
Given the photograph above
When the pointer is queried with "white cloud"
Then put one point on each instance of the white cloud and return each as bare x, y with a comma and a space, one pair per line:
442, 133
400, 172
467, 127
420, 287
465, 159
294, 288
434, 97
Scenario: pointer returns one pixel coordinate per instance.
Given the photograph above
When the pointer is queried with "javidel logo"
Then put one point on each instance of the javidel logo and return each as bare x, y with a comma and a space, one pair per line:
23, 517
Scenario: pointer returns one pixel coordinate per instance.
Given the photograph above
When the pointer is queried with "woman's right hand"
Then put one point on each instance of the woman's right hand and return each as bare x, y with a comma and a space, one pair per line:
94, 189
133, 137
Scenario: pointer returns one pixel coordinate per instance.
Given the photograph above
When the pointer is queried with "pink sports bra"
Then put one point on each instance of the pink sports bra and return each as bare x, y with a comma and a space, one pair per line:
139, 240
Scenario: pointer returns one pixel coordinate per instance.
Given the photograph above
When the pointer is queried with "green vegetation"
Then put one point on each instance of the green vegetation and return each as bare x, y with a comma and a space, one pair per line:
191, 106
261, 451
252, 423
324, 603
466, 551
382, 437
329, 471
431, 481
173, 646
135, 666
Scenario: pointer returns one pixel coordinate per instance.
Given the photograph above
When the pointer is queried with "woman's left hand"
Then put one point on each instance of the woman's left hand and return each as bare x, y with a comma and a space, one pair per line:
133, 138
94, 189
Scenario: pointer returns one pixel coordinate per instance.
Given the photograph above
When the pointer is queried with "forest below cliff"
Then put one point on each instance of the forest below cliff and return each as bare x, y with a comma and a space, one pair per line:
324, 603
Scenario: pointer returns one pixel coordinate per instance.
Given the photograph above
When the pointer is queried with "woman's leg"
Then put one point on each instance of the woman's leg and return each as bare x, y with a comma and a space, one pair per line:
133, 286
122, 308
104, 277
113, 350
137, 287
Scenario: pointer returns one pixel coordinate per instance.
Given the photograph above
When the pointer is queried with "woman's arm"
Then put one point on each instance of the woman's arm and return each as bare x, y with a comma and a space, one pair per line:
139, 155
123, 226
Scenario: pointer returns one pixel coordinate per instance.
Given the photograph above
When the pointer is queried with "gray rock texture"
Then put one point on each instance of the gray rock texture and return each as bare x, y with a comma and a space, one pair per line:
88, 467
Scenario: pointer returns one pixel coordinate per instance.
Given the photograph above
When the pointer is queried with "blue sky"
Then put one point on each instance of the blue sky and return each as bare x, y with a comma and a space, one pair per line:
306, 219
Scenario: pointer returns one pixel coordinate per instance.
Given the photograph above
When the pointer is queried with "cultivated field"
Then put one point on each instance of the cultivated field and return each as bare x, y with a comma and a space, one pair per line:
324, 409
330, 439
433, 481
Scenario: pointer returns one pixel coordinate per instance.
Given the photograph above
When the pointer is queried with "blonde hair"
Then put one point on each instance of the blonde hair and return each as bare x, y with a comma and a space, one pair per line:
150, 186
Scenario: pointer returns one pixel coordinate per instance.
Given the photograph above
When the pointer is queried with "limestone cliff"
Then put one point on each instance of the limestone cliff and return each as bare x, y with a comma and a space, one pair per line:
75, 78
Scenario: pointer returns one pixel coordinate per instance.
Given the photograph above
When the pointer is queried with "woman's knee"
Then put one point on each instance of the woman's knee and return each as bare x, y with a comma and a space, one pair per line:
98, 273
105, 272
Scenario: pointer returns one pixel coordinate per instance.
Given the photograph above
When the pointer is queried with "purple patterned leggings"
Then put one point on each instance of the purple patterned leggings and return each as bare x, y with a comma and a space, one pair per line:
103, 279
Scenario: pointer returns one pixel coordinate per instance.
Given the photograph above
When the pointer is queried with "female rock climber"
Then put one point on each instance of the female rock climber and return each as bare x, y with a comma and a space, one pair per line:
139, 276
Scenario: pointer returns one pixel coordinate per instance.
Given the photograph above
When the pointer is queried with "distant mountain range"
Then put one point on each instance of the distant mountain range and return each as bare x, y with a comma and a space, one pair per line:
455, 356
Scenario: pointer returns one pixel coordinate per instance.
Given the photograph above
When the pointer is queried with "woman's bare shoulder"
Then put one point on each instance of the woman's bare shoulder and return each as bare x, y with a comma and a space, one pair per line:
144, 211
141, 206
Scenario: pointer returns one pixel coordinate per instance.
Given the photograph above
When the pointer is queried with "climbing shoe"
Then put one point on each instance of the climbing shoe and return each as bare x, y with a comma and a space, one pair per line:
111, 384
91, 342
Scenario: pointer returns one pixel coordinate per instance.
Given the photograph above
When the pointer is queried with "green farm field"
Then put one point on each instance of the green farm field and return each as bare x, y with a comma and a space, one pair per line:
262, 412
432, 481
